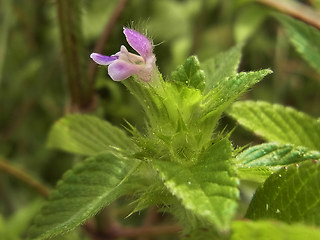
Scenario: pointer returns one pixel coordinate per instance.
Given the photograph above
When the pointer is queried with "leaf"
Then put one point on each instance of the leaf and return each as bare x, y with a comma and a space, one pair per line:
255, 174
277, 123
274, 154
88, 135
248, 20
262, 230
81, 193
259, 162
190, 74
221, 66
208, 188
15, 226
228, 90
304, 38
292, 195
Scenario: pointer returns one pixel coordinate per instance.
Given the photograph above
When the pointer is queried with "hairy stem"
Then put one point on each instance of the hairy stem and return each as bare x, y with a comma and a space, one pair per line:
5, 16
295, 9
81, 91
150, 219
24, 177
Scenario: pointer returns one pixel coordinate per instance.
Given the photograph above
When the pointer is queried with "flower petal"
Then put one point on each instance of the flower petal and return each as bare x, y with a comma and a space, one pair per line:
103, 60
120, 70
138, 42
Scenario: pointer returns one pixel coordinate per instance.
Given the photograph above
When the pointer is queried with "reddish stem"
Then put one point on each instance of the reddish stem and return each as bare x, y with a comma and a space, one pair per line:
295, 9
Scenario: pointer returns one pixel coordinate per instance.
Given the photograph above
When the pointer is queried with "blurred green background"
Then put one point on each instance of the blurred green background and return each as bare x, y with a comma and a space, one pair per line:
34, 89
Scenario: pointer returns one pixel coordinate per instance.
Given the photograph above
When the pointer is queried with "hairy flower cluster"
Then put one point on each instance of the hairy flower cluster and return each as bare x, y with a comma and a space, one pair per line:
124, 64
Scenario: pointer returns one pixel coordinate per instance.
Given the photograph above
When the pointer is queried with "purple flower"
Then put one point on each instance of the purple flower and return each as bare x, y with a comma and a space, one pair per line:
123, 64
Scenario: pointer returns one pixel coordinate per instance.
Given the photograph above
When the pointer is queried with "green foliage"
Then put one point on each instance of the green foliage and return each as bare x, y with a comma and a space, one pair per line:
178, 138
180, 117
223, 65
228, 90
262, 230
176, 134
255, 174
292, 195
82, 192
258, 162
88, 135
304, 38
208, 188
190, 74
274, 154
277, 123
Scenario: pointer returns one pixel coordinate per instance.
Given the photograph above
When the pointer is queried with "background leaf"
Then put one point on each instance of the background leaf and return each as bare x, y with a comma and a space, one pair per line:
207, 188
292, 195
248, 21
304, 38
81, 193
14, 227
278, 123
88, 135
262, 230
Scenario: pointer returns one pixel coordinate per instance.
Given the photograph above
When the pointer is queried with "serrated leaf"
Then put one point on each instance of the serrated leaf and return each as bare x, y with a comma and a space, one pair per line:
255, 174
274, 154
81, 193
88, 135
208, 188
190, 74
277, 123
292, 195
262, 230
304, 38
228, 90
221, 66
259, 162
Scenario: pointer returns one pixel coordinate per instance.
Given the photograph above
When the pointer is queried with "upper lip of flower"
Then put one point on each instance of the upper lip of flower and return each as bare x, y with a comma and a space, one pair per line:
123, 64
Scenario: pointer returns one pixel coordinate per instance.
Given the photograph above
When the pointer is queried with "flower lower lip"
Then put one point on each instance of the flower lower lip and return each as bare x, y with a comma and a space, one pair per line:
103, 60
